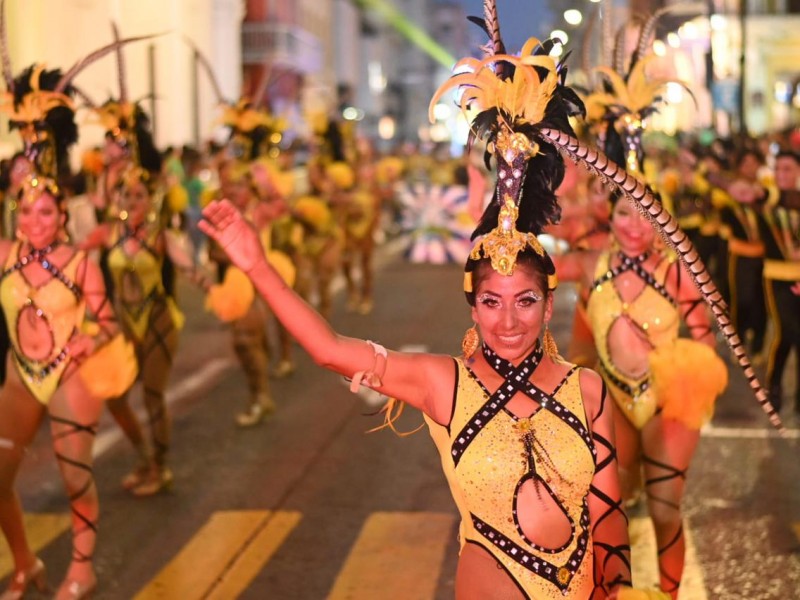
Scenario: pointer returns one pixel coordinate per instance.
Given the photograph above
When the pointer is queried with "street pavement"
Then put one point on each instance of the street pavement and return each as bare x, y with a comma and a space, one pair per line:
308, 505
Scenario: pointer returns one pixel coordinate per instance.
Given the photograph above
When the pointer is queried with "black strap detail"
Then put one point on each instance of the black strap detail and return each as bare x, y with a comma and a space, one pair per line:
496, 401
634, 392
40, 256
634, 264
558, 576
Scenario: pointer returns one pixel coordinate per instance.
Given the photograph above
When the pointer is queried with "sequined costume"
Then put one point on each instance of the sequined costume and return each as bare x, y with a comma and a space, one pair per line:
480, 451
654, 313
57, 304
139, 283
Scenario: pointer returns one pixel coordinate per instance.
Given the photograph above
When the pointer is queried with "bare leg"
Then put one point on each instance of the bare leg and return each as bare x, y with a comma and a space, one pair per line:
20, 417
125, 418
250, 344
158, 350
668, 449
628, 457
73, 426
366, 248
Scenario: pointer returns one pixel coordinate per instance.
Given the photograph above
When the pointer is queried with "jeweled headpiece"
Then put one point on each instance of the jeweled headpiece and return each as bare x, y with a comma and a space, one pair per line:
507, 99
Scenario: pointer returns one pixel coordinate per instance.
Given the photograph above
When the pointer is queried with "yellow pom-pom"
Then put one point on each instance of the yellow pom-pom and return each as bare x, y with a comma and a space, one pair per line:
314, 212
687, 377
111, 370
283, 265
177, 199
341, 174
389, 169
207, 196
231, 299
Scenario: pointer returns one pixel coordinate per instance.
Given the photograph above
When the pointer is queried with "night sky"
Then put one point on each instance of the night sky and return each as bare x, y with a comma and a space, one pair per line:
519, 20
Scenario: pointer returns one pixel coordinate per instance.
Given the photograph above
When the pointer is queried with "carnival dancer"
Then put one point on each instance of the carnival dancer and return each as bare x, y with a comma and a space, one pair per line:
663, 387
63, 337
779, 223
549, 525
136, 245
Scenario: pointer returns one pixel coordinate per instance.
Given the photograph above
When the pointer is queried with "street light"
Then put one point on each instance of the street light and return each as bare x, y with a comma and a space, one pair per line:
573, 16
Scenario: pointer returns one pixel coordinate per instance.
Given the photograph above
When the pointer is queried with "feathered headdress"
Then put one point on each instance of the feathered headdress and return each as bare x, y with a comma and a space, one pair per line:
524, 146
628, 96
507, 100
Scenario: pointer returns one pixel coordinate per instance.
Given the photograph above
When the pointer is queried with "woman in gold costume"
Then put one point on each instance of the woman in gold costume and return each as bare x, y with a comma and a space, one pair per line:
58, 317
136, 244
549, 525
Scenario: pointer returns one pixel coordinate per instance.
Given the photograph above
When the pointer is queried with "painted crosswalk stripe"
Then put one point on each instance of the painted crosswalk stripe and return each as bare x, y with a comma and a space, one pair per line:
274, 531
396, 556
231, 544
41, 529
644, 558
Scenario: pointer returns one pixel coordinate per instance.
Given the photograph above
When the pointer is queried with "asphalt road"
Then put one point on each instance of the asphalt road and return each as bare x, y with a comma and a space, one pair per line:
309, 506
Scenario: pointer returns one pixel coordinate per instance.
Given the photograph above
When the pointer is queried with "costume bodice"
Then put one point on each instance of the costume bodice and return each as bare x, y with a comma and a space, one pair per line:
481, 452
653, 313
138, 279
57, 305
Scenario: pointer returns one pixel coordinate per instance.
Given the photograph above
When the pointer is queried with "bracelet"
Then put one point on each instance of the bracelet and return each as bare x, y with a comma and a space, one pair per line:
374, 377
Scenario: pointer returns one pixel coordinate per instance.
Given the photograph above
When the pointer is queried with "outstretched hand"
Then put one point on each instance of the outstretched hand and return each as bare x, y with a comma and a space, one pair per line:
225, 224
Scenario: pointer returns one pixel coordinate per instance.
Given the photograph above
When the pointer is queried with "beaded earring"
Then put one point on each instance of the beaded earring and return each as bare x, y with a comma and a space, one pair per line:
470, 342
549, 342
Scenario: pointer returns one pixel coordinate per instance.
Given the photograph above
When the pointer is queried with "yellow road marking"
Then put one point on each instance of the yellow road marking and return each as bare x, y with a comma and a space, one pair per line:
202, 564
396, 556
644, 559
41, 530
253, 558
796, 527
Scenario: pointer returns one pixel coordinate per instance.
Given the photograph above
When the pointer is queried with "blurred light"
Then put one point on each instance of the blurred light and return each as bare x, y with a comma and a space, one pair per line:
424, 133
673, 39
595, 0
376, 78
557, 50
439, 133
573, 16
718, 23
659, 48
386, 127
560, 34
442, 112
674, 92
275, 138
688, 30
783, 92
352, 113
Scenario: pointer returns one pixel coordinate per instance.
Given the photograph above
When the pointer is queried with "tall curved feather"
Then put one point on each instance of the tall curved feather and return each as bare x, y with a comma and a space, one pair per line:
84, 96
93, 57
206, 64
619, 50
668, 227
123, 88
8, 73
493, 26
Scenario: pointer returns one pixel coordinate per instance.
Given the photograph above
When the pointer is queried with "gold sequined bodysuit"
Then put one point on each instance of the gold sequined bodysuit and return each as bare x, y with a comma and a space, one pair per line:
654, 314
138, 284
480, 451
57, 304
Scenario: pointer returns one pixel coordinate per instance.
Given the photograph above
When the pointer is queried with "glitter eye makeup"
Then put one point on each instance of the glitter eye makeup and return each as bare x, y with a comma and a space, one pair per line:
530, 296
487, 298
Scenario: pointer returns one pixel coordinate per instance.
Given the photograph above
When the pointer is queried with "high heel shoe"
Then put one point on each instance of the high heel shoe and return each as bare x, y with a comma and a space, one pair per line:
158, 479
72, 589
36, 575
137, 476
262, 407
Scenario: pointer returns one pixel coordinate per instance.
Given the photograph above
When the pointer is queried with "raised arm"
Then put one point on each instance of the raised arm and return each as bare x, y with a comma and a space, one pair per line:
612, 552
424, 381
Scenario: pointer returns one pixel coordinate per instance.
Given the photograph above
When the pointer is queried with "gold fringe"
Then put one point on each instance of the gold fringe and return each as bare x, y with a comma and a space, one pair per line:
549, 343
391, 413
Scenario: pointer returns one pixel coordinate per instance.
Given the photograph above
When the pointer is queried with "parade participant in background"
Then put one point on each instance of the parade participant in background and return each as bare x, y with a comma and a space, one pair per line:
65, 356
549, 525
663, 387
746, 252
779, 223
136, 245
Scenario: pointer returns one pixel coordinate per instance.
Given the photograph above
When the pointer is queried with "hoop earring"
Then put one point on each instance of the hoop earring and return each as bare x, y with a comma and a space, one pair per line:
470, 342
549, 343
